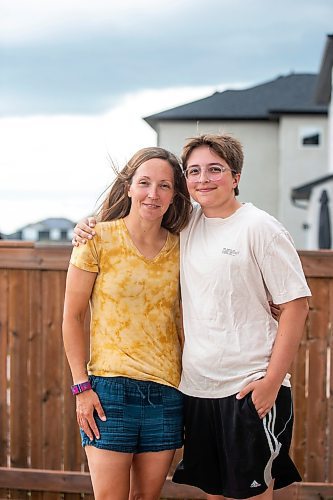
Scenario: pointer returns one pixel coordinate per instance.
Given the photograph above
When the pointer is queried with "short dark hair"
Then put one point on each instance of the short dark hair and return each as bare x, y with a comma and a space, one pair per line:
225, 146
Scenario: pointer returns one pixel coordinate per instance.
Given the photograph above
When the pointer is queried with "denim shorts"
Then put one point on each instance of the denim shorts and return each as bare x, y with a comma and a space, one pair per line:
141, 416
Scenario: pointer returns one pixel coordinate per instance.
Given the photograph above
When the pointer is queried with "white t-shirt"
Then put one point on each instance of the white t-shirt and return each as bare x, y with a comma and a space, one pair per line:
230, 268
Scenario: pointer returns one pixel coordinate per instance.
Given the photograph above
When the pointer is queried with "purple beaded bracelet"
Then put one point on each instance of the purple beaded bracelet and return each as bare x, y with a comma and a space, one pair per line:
78, 388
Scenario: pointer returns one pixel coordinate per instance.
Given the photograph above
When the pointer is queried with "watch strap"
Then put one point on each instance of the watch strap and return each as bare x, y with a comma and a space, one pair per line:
78, 388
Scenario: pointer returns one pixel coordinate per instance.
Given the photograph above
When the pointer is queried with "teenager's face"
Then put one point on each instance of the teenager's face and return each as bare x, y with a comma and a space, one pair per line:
215, 197
152, 189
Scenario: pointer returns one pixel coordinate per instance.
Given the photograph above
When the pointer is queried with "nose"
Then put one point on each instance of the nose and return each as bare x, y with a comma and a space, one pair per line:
203, 176
153, 193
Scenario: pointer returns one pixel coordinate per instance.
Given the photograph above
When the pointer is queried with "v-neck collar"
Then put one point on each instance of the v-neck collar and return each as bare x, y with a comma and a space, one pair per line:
137, 251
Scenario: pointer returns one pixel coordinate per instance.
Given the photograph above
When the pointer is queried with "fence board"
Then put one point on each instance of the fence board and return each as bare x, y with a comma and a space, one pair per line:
317, 264
3, 363
329, 389
4, 416
35, 373
35, 368
305, 491
316, 402
55, 481
298, 382
53, 417
40, 257
52, 291
46, 480
18, 344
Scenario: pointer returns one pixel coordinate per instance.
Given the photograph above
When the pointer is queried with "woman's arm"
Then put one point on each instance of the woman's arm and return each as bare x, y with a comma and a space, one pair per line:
275, 310
79, 286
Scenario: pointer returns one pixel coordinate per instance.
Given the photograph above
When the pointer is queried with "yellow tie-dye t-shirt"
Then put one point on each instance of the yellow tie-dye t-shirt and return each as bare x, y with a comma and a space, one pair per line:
135, 317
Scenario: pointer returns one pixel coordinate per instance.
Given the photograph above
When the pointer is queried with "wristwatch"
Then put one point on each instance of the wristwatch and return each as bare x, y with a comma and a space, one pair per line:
78, 388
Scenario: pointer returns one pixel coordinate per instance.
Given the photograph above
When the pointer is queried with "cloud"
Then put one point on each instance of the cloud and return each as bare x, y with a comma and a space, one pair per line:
58, 166
34, 20
78, 75
81, 57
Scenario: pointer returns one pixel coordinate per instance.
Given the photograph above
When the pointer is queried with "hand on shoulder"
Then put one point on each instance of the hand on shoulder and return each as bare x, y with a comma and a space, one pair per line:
83, 231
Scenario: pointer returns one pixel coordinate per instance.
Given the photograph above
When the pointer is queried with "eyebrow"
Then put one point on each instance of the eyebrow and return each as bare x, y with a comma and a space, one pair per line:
161, 180
207, 164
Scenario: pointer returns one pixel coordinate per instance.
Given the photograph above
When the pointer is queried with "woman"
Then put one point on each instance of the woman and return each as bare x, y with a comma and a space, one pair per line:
128, 407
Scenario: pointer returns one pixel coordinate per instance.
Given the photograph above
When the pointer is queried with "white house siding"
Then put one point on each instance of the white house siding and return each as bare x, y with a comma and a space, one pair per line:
259, 182
275, 161
299, 165
55, 234
172, 134
30, 233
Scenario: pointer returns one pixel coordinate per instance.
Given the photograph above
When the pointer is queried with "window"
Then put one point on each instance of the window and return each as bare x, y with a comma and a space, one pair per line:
310, 137
44, 235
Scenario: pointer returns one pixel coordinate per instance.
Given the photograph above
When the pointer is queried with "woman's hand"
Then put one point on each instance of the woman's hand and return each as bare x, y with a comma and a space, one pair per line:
86, 403
275, 310
84, 231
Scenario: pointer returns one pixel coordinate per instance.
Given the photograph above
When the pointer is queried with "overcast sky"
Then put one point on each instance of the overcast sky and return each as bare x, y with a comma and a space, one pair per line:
77, 76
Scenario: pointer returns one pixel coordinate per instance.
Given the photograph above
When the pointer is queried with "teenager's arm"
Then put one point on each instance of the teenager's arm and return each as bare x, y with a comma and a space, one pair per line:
83, 231
290, 330
79, 286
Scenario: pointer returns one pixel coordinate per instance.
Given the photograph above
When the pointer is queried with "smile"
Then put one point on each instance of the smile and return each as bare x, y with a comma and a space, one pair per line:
150, 205
205, 190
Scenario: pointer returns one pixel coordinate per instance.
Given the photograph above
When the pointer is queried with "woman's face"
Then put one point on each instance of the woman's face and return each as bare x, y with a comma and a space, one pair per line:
152, 189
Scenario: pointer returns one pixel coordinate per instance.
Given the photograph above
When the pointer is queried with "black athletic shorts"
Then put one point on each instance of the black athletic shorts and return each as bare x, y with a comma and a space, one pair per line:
230, 451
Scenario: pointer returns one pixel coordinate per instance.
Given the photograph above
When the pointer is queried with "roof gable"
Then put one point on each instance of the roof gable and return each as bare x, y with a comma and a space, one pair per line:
303, 192
284, 95
51, 223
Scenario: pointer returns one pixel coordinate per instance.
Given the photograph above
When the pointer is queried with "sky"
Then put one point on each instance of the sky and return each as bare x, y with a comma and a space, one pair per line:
78, 76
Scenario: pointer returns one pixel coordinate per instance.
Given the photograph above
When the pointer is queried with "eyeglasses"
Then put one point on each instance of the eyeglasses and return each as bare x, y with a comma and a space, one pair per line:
213, 172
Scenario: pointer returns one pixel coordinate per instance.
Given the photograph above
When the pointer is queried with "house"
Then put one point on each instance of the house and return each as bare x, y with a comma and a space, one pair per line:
283, 131
317, 195
51, 230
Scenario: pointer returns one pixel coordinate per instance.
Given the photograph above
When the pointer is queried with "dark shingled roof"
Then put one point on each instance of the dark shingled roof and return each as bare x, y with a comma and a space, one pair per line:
292, 94
53, 223
303, 192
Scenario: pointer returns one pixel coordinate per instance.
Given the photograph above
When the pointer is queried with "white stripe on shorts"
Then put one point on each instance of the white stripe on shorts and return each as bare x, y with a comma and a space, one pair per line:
272, 441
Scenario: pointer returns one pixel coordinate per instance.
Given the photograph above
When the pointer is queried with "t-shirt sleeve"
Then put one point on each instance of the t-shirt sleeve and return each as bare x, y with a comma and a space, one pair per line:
282, 270
86, 256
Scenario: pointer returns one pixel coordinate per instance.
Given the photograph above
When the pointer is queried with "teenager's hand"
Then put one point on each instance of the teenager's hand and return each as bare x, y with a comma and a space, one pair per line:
275, 310
86, 403
264, 394
84, 231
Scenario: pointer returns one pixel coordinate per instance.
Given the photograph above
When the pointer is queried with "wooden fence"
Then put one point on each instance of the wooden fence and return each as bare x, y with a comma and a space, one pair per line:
40, 450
